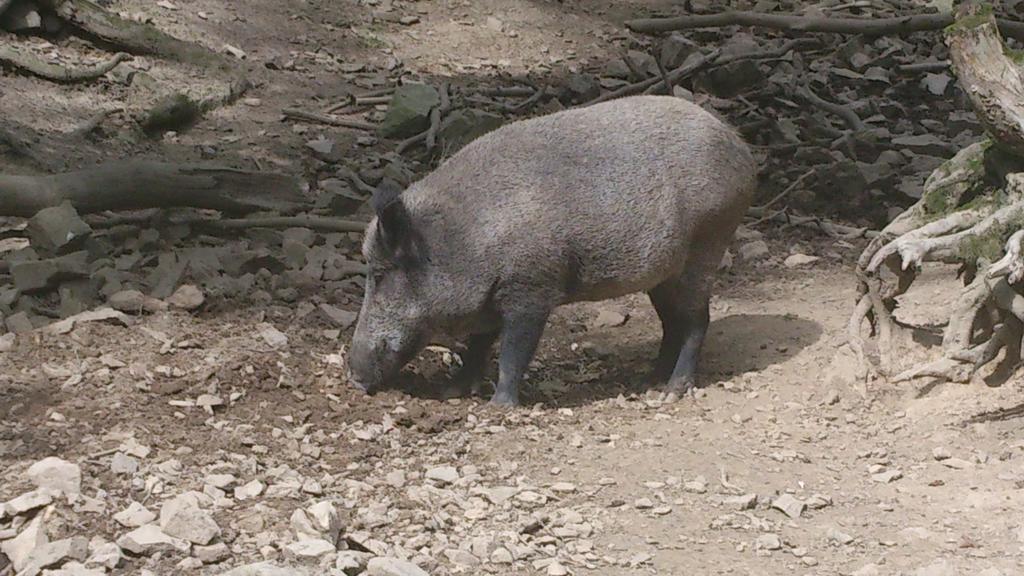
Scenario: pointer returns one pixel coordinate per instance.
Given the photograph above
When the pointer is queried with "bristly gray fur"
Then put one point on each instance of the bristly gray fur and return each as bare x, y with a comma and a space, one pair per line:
585, 204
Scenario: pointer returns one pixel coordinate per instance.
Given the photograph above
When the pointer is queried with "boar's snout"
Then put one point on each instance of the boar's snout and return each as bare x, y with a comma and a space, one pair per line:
365, 365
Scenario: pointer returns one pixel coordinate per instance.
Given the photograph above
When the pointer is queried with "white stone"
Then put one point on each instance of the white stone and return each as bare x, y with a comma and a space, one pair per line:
798, 260
124, 464
75, 569
326, 519
134, 515
386, 566
309, 548
557, 569
265, 569
20, 548
744, 502
56, 474
887, 477
443, 474
186, 297
352, 562
181, 517
461, 557
789, 505
303, 526
755, 250
212, 554
221, 481
395, 478
107, 555
148, 539
501, 556
272, 336
55, 553
768, 542
250, 490
28, 501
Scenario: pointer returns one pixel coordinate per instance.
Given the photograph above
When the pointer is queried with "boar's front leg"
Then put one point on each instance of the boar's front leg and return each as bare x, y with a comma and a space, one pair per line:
520, 334
469, 378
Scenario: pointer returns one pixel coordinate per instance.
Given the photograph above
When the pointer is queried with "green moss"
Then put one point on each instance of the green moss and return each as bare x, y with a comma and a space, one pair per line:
990, 245
983, 17
1016, 55
940, 201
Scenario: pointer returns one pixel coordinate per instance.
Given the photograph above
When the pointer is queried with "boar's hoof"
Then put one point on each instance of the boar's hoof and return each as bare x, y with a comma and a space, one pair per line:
359, 386
504, 400
678, 388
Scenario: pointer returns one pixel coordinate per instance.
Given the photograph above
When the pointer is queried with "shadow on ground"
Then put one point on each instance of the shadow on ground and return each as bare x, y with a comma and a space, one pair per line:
735, 344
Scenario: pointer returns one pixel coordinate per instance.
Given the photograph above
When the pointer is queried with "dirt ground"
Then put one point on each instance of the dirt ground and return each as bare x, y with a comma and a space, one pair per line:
594, 475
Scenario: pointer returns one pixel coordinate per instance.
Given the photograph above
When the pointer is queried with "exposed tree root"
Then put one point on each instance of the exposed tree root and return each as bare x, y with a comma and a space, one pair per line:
971, 214
57, 72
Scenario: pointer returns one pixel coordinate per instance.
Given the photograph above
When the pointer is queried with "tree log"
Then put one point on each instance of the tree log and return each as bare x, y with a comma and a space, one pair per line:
139, 184
794, 23
58, 72
992, 81
134, 37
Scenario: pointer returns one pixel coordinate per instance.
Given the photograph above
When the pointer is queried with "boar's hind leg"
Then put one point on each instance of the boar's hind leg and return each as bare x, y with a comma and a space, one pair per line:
666, 298
683, 307
520, 333
469, 378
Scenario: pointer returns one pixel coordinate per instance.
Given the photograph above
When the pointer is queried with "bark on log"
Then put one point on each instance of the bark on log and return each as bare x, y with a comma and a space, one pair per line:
57, 72
993, 82
794, 23
139, 184
134, 37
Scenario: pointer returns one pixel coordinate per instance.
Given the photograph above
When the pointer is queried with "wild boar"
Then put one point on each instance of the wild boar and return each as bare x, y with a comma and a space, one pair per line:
637, 194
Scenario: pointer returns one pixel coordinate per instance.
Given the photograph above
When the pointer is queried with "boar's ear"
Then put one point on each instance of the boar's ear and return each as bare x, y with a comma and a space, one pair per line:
395, 230
386, 192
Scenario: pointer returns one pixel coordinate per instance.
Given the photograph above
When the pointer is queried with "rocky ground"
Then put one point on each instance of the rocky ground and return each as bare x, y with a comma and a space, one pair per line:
172, 395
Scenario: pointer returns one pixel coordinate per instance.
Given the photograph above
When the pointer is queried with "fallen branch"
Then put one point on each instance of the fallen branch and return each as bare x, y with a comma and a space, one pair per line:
140, 184
316, 117
848, 116
321, 223
674, 76
57, 72
436, 115
508, 92
529, 102
793, 23
764, 207
921, 67
831, 228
